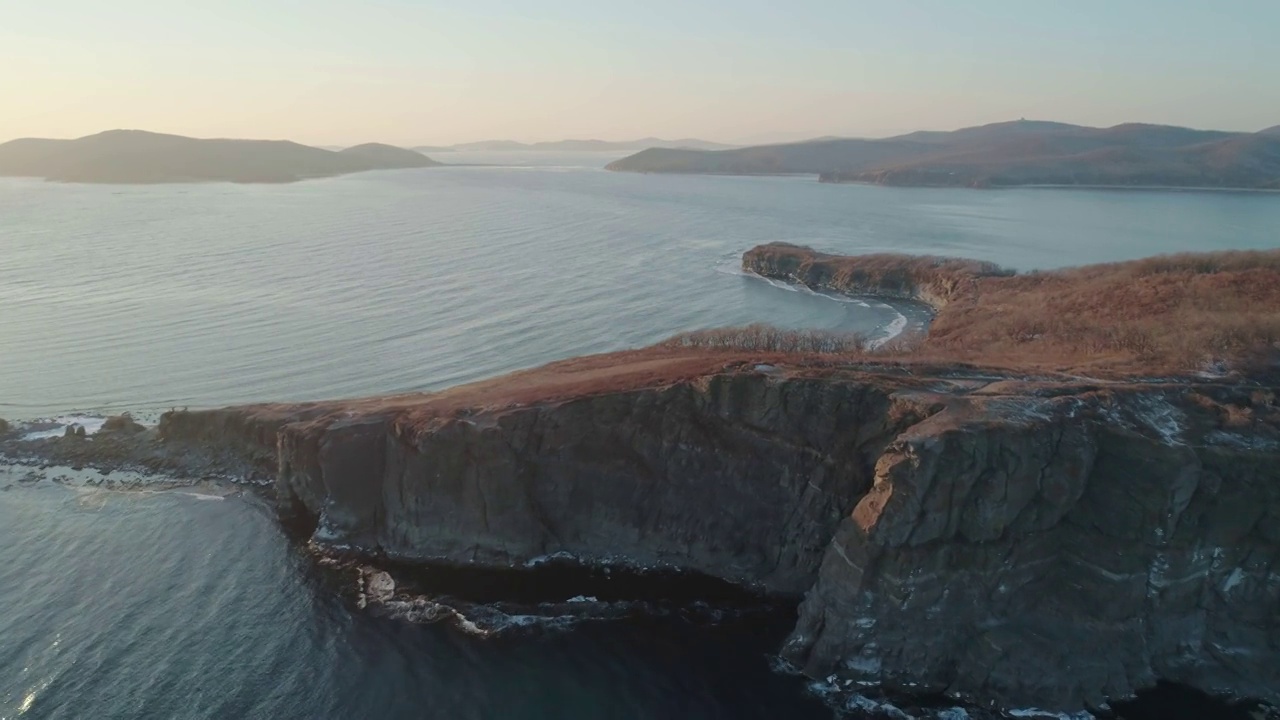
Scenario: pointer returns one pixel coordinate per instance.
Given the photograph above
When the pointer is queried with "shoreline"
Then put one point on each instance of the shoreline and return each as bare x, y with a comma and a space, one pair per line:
908, 310
1063, 186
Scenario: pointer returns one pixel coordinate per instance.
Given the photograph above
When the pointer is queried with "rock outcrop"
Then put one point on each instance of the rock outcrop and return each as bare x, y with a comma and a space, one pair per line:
935, 281
1061, 551
1057, 527
122, 424
1017, 543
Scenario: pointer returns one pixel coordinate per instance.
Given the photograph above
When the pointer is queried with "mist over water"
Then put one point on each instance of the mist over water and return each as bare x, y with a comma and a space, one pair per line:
129, 605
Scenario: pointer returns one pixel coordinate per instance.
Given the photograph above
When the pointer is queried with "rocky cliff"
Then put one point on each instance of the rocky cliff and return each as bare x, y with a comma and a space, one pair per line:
935, 281
1019, 512
1061, 550
1018, 543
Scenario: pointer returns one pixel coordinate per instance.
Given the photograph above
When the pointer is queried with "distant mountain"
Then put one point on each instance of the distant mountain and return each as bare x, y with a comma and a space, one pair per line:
386, 157
1004, 154
1270, 131
135, 156
576, 145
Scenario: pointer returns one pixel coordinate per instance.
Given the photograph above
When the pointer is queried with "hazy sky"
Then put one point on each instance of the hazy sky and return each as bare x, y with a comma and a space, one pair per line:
422, 71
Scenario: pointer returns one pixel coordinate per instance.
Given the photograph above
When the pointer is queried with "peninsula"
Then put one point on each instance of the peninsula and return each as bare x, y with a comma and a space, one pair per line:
1064, 494
136, 156
1018, 153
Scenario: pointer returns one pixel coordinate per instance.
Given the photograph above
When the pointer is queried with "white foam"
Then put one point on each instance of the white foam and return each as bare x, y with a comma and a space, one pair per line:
1038, 713
202, 496
1234, 579
90, 423
892, 330
732, 267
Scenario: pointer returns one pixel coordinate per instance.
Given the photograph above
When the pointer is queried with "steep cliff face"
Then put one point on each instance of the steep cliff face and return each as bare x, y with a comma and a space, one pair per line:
1022, 544
1059, 552
935, 281
739, 476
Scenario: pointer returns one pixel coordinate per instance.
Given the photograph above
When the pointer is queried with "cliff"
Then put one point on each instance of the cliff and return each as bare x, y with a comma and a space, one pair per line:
1004, 154
934, 281
1002, 533
134, 156
1013, 542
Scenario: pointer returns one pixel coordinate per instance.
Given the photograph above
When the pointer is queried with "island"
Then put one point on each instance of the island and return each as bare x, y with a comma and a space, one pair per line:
1018, 153
136, 156
1065, 491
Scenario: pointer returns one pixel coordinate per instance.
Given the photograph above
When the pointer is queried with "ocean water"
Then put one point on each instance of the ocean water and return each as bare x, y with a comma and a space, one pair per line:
174, 605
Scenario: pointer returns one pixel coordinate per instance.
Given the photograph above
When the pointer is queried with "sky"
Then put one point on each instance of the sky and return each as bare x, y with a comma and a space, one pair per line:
414, 72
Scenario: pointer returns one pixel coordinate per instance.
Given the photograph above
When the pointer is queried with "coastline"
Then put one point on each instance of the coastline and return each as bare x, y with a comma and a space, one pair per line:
1061, 186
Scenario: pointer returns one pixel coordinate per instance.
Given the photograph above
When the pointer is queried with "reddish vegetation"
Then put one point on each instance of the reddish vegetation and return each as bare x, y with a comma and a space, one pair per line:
657, 366
1163, 315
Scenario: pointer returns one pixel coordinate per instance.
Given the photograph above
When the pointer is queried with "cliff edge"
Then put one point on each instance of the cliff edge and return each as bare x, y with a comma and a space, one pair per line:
1008, 534
1009, 541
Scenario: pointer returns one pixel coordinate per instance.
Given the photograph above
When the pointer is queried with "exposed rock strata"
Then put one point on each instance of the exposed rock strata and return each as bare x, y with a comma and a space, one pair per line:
1021, 544
935, 281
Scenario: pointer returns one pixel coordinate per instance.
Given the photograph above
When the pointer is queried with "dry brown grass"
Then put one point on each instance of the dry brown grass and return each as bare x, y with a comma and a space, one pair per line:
1173, 314
766, 338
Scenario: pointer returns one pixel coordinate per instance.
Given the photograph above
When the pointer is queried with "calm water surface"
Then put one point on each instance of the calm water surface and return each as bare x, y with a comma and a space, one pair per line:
128, 605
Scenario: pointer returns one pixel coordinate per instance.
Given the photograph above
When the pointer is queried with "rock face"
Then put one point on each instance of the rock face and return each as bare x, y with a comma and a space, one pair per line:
718, 476
1058, 552
1020, 544
935, 281
122, 424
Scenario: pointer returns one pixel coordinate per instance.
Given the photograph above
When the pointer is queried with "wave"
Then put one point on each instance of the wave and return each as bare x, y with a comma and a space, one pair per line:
892, 330
56, 427
793, 287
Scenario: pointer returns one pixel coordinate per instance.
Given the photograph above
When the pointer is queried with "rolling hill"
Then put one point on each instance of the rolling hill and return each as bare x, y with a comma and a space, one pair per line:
1004, 154
136, 156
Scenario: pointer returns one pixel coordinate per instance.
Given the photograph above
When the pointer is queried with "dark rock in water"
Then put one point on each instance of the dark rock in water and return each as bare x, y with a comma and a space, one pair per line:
124, 424
5, 427
1167, 701
75, 432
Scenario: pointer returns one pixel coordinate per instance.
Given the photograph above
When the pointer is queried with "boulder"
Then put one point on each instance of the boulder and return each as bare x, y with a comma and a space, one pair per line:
123, 425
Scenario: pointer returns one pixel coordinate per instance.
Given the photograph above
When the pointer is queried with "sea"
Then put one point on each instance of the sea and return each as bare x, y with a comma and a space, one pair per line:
196, 604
